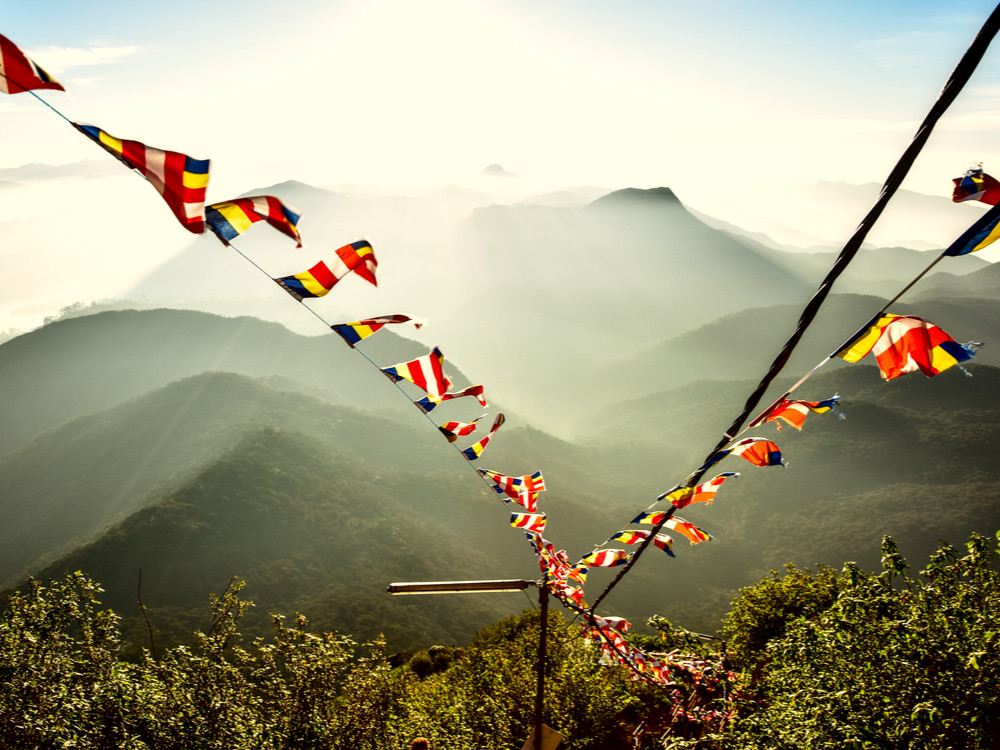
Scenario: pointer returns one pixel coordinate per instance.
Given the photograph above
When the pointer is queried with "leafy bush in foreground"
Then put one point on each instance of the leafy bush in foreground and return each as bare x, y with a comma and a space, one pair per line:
851, 660
895, 661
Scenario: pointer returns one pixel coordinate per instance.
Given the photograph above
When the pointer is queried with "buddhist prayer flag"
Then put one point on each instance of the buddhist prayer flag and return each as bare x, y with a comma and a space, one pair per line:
529, 502
475, 450
454, 430
634, 536
533, 522
321, 278
19, 74
429, 402
985, 231
630, 536
861, 344
665, 543
180, 179
678, 496
703, 493
758, 451
566, 591
692, 532
352, 333
976, 185
906, 343
651, 518
794, 412
230, 219
606, 558
612, 623
909, 344
425, 372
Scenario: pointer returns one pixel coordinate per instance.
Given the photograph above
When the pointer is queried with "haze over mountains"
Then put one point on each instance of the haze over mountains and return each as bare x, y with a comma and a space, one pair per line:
601, 280
620, 337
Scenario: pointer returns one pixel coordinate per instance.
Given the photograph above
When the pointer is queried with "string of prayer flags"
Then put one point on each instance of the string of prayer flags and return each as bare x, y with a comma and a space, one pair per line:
606, 558
554, 563
522, 490
359, 330
614, 646
230, 219
321, 278
515, 486
533, 522
634, 536
454, 430
429, 402
18, 73
475, 450
681, 497
426, 372
613, 643
794, 412
557, 571
179, 178
906, 343
976, 185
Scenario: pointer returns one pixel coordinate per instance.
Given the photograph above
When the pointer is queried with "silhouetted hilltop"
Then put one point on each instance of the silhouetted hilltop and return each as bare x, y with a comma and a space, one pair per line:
635, 197
87, 364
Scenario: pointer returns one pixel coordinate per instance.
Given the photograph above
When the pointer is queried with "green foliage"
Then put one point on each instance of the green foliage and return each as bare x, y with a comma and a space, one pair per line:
60, 683
763, 611
486, 698
65, 684
852, 660
897, 660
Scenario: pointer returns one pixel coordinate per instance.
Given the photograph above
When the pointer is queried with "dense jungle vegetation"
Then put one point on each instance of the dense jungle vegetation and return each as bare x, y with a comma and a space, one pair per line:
817, 659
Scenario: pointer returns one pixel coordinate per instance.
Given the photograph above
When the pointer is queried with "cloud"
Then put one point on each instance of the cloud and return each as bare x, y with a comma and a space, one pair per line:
60, 59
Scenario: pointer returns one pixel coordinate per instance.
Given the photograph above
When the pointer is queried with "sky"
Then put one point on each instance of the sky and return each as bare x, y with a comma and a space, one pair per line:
561, 92
724, 101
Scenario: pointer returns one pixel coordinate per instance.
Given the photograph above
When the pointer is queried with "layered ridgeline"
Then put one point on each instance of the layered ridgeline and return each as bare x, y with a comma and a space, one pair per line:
320, 504
83, 365
531, 294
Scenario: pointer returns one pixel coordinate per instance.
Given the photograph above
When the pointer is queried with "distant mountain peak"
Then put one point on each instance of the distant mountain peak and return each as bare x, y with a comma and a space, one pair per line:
639, 197
496, 170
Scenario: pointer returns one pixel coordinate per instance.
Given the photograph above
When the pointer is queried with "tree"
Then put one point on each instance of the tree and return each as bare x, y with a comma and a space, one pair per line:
896, 661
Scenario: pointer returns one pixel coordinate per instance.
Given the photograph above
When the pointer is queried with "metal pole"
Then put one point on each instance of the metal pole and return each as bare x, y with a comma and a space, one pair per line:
543, 627
476, 587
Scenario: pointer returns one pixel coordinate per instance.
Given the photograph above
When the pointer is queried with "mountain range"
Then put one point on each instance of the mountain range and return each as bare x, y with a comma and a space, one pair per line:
193, 447
574, 285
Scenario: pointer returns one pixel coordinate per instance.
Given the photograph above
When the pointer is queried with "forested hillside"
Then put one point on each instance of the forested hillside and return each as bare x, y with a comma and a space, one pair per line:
319, 505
